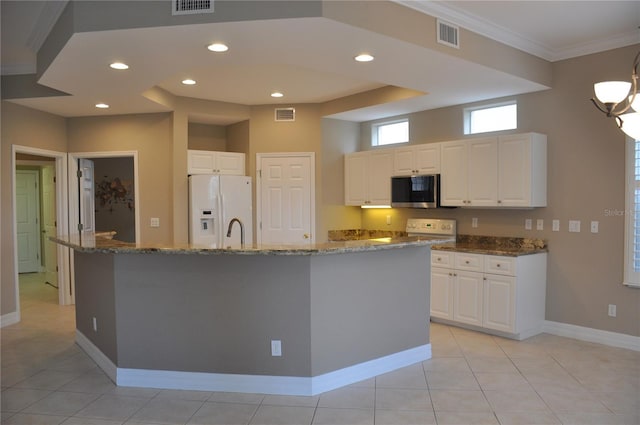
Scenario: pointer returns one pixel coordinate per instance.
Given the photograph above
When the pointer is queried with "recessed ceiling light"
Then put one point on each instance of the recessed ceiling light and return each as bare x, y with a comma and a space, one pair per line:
277, 94
119, 65
188, 82
218, 47
364, 57
102, 105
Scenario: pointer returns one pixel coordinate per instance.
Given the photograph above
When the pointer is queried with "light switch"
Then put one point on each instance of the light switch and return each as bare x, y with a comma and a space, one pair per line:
528, 223
540, 224
155, 222
594, 227
555, 225
574, 226
474, 222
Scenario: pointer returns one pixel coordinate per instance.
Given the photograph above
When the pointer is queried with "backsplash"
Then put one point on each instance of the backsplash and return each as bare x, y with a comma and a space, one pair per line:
357, 234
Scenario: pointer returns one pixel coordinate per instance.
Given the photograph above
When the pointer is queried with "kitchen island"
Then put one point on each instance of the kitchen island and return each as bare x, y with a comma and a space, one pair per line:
297, 320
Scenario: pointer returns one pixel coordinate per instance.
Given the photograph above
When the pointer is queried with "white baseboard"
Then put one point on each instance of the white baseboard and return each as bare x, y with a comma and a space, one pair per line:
280, 385
98, 356
9, 319
613, 339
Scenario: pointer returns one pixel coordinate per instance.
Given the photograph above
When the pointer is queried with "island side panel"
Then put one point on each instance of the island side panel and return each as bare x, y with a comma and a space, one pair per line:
95, 297
368, 305
213, 313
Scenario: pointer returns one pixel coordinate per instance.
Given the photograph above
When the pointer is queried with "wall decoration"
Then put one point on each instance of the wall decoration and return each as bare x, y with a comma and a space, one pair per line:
110, 192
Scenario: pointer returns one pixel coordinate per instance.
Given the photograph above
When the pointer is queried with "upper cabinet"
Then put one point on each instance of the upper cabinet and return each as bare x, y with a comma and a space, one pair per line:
504, 171
367, 177
417, 159
215, 162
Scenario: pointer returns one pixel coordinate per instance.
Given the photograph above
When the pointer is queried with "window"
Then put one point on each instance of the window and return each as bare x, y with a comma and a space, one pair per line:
389, 133
491, 118
632, 216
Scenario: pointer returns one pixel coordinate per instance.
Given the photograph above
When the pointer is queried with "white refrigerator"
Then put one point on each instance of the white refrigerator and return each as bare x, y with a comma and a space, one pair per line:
214, 201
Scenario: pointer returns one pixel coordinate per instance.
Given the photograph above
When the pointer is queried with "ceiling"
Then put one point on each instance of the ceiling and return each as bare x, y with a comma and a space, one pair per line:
309, 67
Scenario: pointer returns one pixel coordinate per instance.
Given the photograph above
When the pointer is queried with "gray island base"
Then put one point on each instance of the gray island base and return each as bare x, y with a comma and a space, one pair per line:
208, 322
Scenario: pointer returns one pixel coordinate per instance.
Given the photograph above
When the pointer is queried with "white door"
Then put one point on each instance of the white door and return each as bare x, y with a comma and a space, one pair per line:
49, 224
286, 198
87, 196
28, 226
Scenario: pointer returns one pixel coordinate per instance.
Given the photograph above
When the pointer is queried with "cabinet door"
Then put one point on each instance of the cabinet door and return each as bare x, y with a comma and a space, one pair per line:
442, 293
380, 170
355, 178
482, 163
427, 158
522, 170
499, 302
201, 162
467, 297
403, 161
453, 170
230, 163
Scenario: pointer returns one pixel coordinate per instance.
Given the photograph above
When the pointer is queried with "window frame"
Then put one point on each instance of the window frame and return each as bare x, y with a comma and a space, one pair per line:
376, 127
467, 112
632, 149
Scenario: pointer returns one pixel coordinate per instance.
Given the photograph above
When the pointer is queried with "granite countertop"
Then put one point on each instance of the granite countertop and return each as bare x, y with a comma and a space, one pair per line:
90, 243
494, 245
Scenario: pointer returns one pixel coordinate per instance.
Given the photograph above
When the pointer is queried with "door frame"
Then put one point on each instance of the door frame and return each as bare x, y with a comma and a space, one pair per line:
74, 200
312, 176
65, 295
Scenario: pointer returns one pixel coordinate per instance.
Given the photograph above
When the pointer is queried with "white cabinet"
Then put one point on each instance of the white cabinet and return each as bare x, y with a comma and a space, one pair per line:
489, 292
469, 173
368, 177
522, 170
215, 162
506, 171
418, 159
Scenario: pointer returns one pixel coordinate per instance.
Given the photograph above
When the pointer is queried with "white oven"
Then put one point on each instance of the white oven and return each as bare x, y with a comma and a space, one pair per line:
431, 227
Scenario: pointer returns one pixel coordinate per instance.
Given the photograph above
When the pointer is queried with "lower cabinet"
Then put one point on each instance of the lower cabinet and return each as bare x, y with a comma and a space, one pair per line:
499, 294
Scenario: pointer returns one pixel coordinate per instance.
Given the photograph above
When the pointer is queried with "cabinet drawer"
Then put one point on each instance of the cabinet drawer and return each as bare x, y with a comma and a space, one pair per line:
471, 262
500, 265
442, 259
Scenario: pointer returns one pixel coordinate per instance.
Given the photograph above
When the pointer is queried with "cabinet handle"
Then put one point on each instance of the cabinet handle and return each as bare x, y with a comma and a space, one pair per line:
466, 262
484, 278
499, 201
498, 265
439, 259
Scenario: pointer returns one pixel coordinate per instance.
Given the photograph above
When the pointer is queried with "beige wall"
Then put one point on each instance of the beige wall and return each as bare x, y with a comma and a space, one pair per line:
151, 136
585, 179
207, 137
25, 127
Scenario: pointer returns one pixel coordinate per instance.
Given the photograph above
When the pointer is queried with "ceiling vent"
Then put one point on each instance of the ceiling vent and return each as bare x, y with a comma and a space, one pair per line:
448, 34
191, 7
285, 114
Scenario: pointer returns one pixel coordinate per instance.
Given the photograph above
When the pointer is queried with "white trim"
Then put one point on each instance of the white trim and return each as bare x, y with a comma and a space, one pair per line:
103, 362
261, 384
612, 339
9, 319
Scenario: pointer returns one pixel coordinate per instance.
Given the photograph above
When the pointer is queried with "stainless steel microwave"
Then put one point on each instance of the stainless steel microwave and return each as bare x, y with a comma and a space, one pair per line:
421, 191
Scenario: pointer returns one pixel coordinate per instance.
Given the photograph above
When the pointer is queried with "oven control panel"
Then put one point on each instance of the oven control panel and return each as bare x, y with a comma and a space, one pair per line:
431, 226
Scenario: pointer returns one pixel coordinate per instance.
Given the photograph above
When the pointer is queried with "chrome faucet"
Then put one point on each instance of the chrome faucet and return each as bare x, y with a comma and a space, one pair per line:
236, 220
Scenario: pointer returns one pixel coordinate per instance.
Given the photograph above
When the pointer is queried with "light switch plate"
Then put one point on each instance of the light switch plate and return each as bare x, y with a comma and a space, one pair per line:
574, 226
555, 225
594, 226
528, 223
155, 222
540, 224
474, 222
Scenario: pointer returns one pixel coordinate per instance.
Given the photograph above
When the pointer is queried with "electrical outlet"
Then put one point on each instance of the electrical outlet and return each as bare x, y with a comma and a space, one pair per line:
612, 310
594, 227
155, 222
540, 224
555, 225
474, 222
94, 324
388, 220
276, 348
528, 223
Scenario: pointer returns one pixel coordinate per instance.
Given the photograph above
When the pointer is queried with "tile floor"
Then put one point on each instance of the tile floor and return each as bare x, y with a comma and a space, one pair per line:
472, 379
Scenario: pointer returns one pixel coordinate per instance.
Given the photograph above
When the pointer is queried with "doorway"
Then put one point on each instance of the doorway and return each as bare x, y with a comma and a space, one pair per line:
52, 203
285, 198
